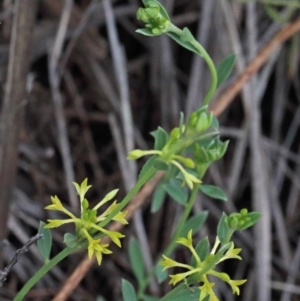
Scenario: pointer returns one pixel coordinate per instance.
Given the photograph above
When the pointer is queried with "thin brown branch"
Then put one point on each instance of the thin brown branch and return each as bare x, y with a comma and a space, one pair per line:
228, 96
18, 254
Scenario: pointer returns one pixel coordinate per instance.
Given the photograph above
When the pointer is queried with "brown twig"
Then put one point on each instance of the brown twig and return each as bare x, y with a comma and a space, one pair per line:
228, 96
15, 259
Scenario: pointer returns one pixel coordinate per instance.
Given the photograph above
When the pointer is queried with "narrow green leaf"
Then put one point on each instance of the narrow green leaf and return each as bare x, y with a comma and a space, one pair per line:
136, 259
225, 68
145, 32
191, 294
176, 191
159, 164
147, 165
215, 123
202, 249
163, 11
213, 192
45, 243
161, 137
223, 229
160, 274
181, 122
70, 240
194, 223
186, 45
187, 35
150, 298
128, 291
159, 197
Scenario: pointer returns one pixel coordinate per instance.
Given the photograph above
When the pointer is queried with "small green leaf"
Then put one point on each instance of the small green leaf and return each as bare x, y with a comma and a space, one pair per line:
70, 240
186, 45
202, 249
147, 166
163, 11
159, 164
150, 298
213, 192
215, 123
223, 229
161, 137
160, 274
159, 196
187, 35
176, 191
225, 68
136, 259
185, 295
45, 243
181, 123
145, 32
128, 291
194, 223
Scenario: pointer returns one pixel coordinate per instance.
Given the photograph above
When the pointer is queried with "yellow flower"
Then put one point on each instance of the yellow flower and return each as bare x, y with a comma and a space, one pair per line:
176, 278
206, 289
87, 225
234, 285
232, 253
188, 178
169, 263
188, 242
96, 247
202, 269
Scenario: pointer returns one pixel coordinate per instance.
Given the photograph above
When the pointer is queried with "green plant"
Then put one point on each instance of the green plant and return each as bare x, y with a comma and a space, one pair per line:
184, 155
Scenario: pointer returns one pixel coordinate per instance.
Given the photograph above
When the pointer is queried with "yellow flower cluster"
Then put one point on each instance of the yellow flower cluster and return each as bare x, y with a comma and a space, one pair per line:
201, 265
88, 224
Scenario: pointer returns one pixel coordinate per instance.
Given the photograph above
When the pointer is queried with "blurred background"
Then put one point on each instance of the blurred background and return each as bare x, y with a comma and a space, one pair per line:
79, 89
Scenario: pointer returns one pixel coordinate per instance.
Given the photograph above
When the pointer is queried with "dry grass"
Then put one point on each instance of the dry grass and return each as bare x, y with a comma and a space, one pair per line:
95, 89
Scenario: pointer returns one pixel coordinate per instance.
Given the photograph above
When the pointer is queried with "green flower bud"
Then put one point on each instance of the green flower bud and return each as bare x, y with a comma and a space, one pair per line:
175, 133
241, 223
233, 222
244, 212
135, 154
188, 162
156, 18
192, 119
204, 122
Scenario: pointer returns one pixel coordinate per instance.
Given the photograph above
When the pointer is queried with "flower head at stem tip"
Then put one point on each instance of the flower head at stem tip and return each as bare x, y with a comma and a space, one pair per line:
87, 225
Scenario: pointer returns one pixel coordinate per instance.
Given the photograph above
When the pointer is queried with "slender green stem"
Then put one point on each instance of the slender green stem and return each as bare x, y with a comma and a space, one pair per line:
176, 235
187, 210
212, 69
42, 271
144, 179
203, 53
